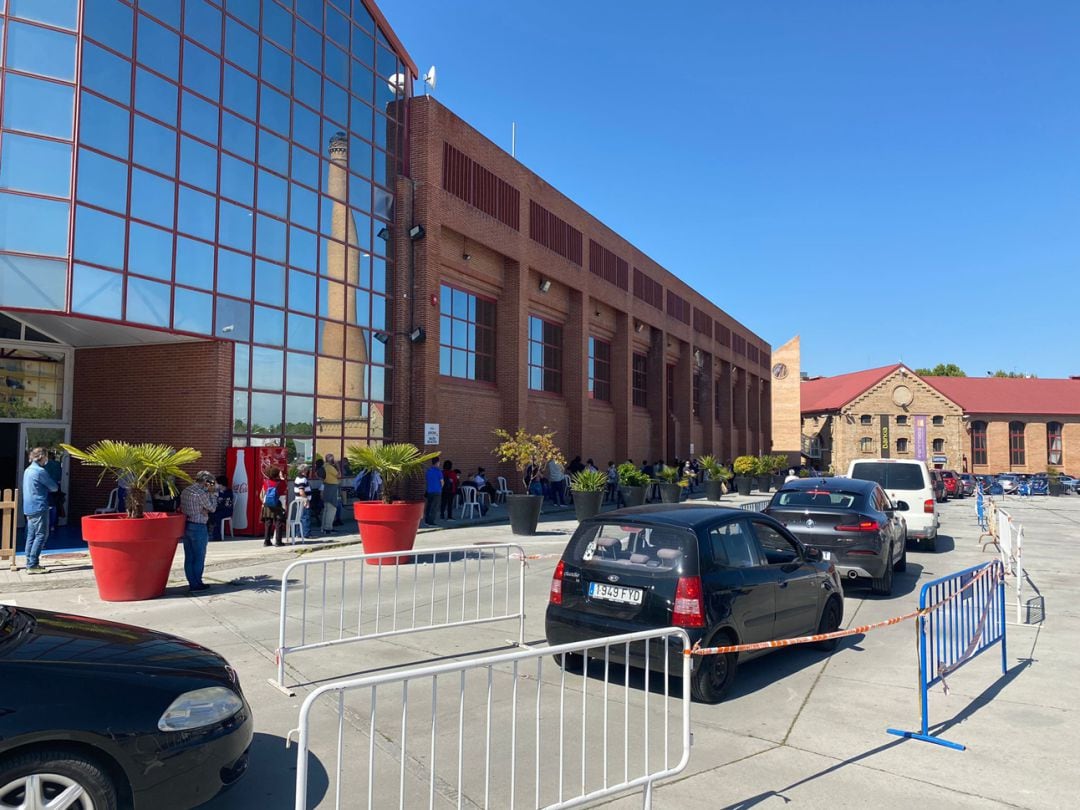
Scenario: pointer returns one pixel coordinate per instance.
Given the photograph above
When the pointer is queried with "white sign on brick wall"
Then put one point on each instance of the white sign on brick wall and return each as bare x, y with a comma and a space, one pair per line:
431, 433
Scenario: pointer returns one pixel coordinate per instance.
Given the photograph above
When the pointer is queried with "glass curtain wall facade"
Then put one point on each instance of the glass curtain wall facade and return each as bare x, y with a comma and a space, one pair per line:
217, 168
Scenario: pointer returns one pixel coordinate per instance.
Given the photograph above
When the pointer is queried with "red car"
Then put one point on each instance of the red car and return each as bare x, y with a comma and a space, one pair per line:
954, 487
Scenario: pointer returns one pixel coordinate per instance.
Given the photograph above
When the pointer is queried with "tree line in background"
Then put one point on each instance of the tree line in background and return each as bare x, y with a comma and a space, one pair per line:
953, 370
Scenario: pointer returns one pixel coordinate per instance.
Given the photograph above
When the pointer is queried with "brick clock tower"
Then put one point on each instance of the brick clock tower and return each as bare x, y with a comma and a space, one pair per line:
785, 372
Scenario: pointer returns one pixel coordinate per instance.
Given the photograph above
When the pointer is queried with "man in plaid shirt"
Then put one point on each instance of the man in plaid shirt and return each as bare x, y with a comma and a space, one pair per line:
197, 502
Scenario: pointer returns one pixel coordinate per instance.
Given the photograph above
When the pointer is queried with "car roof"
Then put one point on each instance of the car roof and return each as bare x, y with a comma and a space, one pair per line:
831, 482
690, 516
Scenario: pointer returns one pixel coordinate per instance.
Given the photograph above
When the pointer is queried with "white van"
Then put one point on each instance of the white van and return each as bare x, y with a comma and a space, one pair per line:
908, 481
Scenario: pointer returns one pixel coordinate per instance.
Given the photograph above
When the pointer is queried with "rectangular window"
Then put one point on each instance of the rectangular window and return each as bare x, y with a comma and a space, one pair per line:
901, 445
978, 442
640, 383
1053, 443
697, 395
717, 413
545, 356
1017, 455
466, 335
901, 419
939, 421
599, 370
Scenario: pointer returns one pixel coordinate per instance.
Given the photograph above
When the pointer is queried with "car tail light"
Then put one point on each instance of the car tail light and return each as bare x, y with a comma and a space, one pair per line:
689, 607
861, 526
556, 585
928, 506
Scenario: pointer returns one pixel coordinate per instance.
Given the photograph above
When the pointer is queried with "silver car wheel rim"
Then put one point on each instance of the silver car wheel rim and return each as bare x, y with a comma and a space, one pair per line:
44, 791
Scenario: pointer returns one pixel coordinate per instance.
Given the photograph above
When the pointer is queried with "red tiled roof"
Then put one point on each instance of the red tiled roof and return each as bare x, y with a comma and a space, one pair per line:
1010, 394
833, 393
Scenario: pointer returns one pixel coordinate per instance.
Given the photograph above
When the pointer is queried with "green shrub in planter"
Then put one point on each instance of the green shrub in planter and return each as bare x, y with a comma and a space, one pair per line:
588, 487
745, 468
632, 483
717, 475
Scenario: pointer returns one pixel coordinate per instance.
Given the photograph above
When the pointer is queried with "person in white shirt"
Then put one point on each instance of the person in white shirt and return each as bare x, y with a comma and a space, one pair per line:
557, 479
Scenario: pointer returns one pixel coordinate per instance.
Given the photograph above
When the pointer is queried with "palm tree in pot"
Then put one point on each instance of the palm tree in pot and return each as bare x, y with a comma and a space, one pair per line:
529, 453
633, 484
745, 467
588, 487
132, 551
717, 473
671, 483
389, 525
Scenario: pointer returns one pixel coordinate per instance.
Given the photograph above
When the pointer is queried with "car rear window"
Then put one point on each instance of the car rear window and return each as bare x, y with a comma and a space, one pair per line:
641, 549
889, 476
816, 497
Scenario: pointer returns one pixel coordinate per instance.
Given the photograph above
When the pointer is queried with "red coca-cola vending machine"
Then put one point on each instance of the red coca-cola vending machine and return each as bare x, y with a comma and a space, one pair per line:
246, 469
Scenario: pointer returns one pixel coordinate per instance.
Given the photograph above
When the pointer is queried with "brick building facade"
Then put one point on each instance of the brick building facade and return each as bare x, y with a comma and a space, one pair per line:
536, 314
979, 425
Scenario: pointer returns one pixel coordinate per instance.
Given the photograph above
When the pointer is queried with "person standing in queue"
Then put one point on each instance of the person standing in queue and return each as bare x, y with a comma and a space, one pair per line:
38, 485
273, 506
198, 501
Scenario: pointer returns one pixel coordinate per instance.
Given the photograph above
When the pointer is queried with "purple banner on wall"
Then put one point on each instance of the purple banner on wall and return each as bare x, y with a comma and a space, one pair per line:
920, 437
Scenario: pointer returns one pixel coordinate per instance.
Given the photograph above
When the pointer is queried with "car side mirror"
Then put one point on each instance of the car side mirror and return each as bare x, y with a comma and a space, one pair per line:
902, 506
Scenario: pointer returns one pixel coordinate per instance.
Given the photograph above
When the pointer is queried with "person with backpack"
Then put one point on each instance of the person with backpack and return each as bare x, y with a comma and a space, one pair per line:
273, 506
449, 490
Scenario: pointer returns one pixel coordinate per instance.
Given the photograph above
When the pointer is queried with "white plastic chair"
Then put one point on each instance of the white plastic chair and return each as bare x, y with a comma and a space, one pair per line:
110, 506
293, 526
468, 501
502, 490
224, 521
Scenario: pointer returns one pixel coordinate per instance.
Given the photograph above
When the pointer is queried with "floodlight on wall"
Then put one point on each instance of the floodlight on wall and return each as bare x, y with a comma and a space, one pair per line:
639, 327
545, 285
382, 337
384, 233
416, 335
699, 358
416, 232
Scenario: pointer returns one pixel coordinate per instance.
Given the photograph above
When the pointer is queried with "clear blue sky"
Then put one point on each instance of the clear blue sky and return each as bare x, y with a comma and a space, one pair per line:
892, 181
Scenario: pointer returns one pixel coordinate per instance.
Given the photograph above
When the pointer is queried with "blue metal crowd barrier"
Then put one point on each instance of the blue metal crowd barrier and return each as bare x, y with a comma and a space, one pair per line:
961, 616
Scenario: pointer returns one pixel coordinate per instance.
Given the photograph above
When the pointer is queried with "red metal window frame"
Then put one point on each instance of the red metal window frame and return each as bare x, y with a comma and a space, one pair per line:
483, 332
599, 369
1017, 450
1054, 444
480, 187
551, 353
697, 392
639, 383
978, 442
611, 267
717, 412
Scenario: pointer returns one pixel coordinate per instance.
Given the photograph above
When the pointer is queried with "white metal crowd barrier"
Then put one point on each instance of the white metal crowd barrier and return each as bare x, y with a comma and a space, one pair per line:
505, 731
755, 506
326, 602
1010, 537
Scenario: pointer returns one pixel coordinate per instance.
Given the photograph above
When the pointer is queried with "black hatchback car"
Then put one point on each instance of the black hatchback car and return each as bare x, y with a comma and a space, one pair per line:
852, 519
725, 575
96, 715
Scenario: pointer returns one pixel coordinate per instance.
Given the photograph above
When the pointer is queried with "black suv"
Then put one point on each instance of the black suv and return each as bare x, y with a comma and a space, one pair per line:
725, 575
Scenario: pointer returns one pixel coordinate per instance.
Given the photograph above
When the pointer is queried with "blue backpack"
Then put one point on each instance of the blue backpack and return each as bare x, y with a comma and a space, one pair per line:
272, 497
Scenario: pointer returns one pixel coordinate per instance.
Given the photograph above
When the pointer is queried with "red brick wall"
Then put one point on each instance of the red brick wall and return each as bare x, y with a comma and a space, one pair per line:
506, 264
997, 443
178, 394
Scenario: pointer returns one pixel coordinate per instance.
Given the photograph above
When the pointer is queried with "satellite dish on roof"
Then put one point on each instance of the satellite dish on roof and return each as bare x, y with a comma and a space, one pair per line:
397, 84
429, 80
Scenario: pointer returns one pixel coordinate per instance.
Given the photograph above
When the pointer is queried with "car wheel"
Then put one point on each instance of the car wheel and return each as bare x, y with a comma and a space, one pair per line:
55, 779
883, 585
901, 564
714, 677
830, 622
571, 662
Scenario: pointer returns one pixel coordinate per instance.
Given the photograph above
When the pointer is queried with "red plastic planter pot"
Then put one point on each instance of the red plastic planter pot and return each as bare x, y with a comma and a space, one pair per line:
132, 557
387, 528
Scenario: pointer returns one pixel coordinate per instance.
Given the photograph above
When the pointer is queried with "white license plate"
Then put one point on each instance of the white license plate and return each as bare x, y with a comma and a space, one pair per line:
615, 593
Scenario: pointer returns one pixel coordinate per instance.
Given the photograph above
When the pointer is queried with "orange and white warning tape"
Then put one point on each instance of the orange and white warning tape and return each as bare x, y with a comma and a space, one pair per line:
697, 649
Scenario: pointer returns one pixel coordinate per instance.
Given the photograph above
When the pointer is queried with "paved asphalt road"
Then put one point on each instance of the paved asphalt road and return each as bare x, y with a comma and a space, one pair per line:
801, 728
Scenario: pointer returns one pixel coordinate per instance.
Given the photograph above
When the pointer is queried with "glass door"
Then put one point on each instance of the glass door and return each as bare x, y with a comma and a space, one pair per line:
50, 438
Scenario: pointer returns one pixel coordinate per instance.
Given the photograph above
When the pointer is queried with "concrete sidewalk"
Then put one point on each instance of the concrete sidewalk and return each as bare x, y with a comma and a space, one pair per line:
801, 727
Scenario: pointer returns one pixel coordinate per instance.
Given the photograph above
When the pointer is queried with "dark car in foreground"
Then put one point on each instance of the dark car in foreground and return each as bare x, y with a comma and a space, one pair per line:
725, 575
853, 520
96, 715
